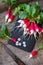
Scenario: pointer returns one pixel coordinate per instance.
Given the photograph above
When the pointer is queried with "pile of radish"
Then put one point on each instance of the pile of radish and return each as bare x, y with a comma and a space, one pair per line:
25, 11
30, 27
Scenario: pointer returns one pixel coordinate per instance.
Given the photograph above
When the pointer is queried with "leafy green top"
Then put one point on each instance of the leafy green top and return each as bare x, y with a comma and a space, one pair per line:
30, 11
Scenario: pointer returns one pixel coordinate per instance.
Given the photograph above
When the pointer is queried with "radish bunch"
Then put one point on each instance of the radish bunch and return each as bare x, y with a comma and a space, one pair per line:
30, 27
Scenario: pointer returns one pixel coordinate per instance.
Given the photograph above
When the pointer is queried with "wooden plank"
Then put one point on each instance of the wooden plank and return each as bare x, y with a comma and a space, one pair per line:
14, 57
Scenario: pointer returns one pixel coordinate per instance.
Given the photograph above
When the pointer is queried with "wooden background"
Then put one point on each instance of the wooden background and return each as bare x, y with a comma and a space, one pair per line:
5, 59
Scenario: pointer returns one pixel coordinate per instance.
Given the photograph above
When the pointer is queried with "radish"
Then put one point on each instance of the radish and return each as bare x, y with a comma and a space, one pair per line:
40, 30
33, 53
11, 18
21, 21
7, 15
36, 27
24, 23
25, 31
13, 39
31, 29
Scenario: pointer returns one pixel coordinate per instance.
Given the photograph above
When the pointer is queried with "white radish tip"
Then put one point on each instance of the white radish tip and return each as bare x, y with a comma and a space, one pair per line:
27, 29
19, 21
6, 17
24, 26
9, 20
22, 22
42, 30
30, 56
31, 31
37, 30
24, 33
20, 25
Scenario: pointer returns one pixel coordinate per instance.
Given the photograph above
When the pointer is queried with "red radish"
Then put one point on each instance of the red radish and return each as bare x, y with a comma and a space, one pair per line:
36, 27
7, 15
26, 23
40, 30
11, 18
33, 53
13, 39
31, 28
28, 30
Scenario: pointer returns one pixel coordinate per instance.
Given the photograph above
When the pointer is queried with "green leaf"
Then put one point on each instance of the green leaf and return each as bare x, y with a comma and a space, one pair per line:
35, 9
13, 1
22, 14
41, 46
6, 1
41, 14
37, 19
1, 34
16, 10
22, 6
4, 30
28, 9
